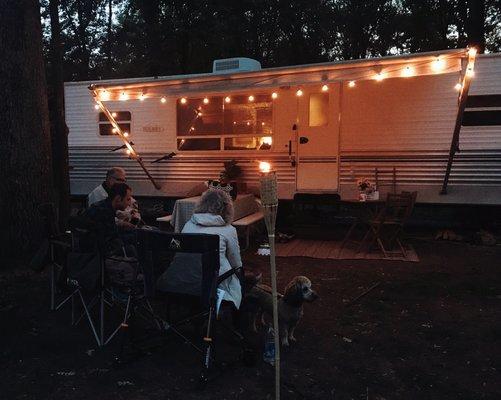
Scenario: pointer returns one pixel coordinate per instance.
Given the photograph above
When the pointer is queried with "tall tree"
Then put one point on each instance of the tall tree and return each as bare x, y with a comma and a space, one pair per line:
59, 130
25, 161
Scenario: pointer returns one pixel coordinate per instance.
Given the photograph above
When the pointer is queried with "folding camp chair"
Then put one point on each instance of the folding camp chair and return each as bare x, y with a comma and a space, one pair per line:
198, 283
387, 227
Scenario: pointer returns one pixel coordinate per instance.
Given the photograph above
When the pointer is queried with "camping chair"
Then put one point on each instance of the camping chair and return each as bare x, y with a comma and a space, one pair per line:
197, 283
386, 228
58, 245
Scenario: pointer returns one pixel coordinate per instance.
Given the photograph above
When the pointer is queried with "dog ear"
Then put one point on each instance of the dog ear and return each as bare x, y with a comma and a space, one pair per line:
293, 294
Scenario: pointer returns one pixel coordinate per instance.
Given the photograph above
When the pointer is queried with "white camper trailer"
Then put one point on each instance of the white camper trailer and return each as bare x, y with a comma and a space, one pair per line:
321, 126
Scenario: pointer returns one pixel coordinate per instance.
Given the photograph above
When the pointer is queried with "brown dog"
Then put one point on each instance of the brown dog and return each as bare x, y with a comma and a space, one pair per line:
290, 306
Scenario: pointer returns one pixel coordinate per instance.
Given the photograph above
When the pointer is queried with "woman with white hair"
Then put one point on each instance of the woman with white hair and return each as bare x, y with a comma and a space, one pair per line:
213, 215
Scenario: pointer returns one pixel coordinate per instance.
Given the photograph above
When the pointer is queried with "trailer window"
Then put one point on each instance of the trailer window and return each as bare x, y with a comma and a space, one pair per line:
123, 119
225, 123
319, 106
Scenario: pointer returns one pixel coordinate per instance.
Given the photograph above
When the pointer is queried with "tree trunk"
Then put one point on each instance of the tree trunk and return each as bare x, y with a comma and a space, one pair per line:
25, 162
476, 24
59, 130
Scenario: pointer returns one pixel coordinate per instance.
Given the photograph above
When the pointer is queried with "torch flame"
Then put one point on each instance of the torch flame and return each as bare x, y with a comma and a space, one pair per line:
264, 167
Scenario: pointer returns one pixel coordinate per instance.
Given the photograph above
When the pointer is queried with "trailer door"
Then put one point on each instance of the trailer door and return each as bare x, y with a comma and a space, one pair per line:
317, 136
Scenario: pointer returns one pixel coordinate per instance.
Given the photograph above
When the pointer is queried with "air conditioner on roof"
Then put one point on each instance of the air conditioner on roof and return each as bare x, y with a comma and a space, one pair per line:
239, 64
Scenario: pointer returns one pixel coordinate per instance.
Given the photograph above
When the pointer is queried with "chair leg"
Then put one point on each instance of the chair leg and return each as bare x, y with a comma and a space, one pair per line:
208, 346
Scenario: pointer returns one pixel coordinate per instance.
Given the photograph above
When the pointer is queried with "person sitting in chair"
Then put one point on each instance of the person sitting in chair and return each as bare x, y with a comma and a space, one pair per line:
102, 215
212, 215
129, 217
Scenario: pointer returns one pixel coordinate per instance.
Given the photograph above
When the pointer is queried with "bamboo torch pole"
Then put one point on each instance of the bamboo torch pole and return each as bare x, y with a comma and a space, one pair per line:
269, 204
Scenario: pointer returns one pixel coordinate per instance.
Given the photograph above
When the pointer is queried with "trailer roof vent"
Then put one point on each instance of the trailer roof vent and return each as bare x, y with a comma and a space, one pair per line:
230, 65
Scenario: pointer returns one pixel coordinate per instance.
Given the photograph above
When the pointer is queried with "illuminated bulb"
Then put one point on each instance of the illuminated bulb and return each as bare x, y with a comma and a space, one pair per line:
123, 96
264, 167
192, 128
105, 95
142, 97
248, 123
251, 98
325, 88
96, 107
262, 123
266, 140
114, 130
438, 65
408, 72
299, 93
227, 99
351, 84
199, 114
234, 122
470, 72
206, 101
114, 114
472, 51
274, 95
458, 87
379, 77
163, 100
183, 100
128, 151
126, 134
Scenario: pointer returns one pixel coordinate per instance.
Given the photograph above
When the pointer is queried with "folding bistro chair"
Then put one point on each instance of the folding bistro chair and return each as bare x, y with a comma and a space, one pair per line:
387, 227
193, 282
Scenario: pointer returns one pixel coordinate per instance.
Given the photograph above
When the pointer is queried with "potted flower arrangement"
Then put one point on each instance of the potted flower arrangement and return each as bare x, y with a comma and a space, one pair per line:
367, 189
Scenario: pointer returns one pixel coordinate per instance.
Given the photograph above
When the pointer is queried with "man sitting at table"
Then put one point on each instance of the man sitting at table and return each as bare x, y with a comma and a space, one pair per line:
126, 219
213, 215
102, 216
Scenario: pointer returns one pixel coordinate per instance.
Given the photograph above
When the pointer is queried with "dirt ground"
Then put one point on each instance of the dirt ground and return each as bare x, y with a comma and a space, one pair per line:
430, 330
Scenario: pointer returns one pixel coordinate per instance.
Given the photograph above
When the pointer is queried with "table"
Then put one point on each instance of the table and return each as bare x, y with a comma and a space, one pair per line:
243, 205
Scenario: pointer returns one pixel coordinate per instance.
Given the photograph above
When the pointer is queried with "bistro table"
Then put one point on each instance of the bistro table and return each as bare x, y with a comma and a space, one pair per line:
243, 205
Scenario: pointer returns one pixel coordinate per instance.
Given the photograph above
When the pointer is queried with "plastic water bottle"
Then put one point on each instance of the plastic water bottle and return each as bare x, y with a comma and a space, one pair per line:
269, 347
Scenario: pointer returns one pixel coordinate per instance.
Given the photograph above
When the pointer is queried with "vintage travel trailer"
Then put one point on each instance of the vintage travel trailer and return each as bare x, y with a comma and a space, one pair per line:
402, 120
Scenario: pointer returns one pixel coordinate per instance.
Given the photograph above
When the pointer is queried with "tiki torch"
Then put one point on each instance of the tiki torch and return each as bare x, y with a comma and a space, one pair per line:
269, 204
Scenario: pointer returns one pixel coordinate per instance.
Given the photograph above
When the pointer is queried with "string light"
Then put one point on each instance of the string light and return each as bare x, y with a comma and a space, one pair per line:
192, 128
227, 99
105, 95
379, 77
299, 93
96, 106
114, 114
126, 134
470, 72
438, 65
123, 96
408, 71
266, 140
325, 88
114, 130
142, 97
163, 100
351, 84
472, 51
458, 86
206, 100
183, 100
199, 114
274, 95
251, 98
128, 151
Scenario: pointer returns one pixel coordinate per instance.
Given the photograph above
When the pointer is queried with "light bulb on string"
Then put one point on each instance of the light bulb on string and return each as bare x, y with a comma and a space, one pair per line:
114, 114
96, 106
299, 93
163, 100
472, 51
325, 88
123, 96
142, 97
183, 100
351, 84
438, 65
379, 77
128, 151
408, 71
206, 100
251, 98
104, 95
126, 134
227, 99
274, 95
458, 86
470, 72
